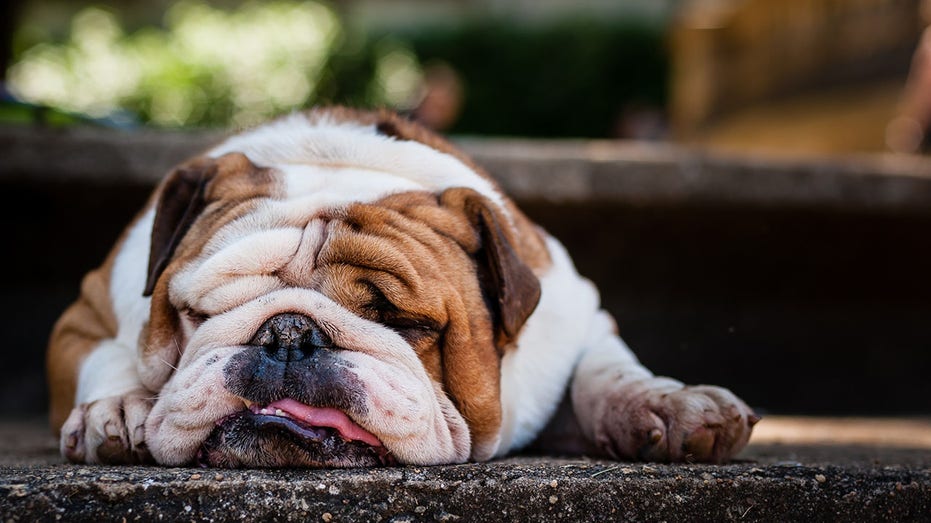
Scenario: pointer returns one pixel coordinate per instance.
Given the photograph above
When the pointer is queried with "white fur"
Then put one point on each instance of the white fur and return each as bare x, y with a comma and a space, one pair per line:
321, 186
110, 369
535, 375
347, 147
224, 278
607, 358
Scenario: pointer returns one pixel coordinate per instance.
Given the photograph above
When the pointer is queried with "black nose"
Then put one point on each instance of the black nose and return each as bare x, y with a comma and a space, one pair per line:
290, 337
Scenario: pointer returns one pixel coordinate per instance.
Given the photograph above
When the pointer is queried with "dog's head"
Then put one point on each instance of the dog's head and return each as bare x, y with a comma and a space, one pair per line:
340, 298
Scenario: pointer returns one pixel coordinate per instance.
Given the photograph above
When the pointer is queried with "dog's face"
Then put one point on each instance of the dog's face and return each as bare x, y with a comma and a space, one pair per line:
306, 316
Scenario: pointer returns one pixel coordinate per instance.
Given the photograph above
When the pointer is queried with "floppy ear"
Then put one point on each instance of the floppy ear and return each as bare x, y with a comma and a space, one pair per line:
471, 357
510, 286
179, 204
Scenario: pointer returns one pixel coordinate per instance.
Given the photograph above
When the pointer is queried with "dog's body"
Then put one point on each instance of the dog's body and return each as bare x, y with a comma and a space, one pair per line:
343, 288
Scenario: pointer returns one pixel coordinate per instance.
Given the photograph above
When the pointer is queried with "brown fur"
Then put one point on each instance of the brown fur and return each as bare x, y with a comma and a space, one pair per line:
82, 326
528, 241
408, 261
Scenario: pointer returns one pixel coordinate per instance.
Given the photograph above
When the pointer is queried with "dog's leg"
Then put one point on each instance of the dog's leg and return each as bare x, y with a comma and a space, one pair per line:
98, 402
107, 425
626, 412
94, 382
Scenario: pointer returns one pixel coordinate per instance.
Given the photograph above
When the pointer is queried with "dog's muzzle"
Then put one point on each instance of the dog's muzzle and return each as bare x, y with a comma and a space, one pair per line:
298, 398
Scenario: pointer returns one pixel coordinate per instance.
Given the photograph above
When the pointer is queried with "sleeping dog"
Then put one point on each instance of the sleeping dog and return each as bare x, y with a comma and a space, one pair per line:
345, 288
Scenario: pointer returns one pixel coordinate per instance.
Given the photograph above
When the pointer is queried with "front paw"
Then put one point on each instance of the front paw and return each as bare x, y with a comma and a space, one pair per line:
109, 430
659, 419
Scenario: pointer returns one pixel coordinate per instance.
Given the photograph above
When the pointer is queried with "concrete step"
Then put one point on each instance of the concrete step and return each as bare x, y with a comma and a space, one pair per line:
794, 470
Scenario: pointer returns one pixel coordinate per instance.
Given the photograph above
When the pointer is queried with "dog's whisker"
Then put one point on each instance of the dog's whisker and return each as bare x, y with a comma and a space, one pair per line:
166, 362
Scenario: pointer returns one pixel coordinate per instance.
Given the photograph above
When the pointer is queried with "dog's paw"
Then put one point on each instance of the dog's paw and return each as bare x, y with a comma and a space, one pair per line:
659, 419
109, 430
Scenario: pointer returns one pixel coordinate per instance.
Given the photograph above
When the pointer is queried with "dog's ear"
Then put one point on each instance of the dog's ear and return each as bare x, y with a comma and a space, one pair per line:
507, 282
471, 358
180, 202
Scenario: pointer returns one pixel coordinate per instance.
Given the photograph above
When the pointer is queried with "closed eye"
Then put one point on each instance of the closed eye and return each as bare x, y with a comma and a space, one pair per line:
407, 323
378, 303
195, 317
390, 315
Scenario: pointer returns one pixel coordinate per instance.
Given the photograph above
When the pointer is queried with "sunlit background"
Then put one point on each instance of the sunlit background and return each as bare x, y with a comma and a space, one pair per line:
797, 76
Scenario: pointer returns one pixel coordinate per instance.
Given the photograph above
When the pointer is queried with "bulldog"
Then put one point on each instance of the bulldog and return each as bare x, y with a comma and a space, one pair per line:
344, 288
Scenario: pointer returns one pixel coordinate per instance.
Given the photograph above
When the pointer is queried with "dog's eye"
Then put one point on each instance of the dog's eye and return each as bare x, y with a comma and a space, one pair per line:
384, 311
414, 330
194, 317
378, 303
412, 324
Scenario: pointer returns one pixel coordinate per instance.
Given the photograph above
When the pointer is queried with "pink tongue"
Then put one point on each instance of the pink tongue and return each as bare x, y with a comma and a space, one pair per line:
326, 417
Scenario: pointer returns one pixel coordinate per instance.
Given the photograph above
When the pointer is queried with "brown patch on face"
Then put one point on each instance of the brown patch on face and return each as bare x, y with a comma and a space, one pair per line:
385, 263
414, 262
220, 191
528, 240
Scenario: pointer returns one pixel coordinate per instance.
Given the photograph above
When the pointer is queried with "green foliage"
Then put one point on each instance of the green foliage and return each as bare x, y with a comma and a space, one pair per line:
569, 78
208, 67
204, 67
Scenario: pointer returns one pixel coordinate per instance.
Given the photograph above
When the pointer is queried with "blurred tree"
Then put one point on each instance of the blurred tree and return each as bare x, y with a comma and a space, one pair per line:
204, 65
576, 77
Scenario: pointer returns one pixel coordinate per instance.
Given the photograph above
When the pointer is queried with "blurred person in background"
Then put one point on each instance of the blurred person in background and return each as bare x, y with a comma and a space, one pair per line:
910, 130
441, 101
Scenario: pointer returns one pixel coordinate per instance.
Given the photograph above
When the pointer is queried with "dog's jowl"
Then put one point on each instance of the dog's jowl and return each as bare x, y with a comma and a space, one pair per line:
342, 288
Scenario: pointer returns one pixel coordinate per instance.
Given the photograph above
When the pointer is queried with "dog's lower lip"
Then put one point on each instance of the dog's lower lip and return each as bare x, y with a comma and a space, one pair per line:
315, 434
249, 438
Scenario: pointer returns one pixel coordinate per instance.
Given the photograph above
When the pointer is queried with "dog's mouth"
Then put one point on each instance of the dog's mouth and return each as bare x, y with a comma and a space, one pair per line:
287, 433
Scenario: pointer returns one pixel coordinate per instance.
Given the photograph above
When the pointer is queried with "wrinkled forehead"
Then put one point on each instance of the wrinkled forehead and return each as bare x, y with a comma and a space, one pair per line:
312, 221
297, 199
312, 168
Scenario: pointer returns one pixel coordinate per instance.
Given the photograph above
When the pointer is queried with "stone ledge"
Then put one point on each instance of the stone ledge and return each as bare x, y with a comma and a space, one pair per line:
770, 481
563, 171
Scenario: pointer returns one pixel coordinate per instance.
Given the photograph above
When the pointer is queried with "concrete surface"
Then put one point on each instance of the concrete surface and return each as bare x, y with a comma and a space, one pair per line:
868, 478
556, 171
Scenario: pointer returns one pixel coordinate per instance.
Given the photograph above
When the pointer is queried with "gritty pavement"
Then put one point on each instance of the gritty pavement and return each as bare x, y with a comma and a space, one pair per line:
865, 478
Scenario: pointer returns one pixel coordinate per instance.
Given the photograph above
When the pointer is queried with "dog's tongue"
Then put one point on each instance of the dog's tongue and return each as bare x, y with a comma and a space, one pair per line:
326, 417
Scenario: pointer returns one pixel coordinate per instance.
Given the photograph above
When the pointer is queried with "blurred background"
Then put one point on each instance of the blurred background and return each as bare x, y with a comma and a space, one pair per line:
800, 308
802, 76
